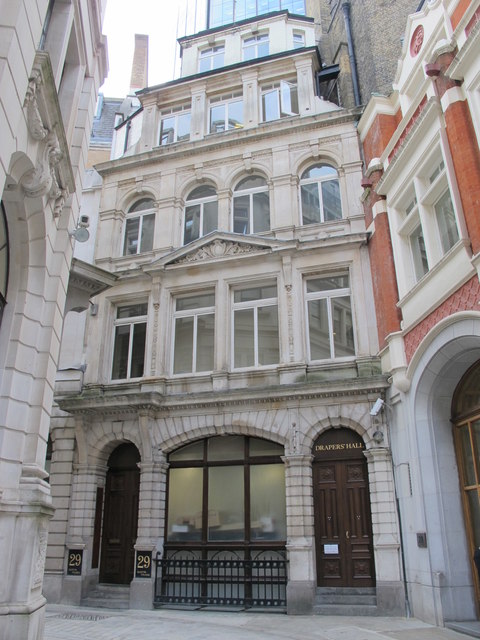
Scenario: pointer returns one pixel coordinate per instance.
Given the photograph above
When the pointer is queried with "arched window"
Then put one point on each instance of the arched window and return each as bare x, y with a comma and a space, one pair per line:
320, 194
139, 227
4, 257
251, 206
201, 213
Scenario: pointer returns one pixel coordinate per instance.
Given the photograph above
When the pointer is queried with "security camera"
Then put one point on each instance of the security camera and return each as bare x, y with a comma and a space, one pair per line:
84, 221
377, 407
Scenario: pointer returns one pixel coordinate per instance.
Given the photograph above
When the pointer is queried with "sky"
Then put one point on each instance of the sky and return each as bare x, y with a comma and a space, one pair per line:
123, 19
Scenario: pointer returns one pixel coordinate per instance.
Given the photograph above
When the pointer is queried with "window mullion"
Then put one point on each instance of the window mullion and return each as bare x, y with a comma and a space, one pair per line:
255, 334
330, 326
130, 349
194, 344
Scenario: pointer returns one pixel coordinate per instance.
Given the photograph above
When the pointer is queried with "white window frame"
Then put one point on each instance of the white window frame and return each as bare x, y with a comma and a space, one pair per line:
211, 55
253, 43
319, 181
225, 101
283, 94
132, 321
255, 305
329, 295
175, 113
298, 38
201, 203
140, 215
189, 313
250, 192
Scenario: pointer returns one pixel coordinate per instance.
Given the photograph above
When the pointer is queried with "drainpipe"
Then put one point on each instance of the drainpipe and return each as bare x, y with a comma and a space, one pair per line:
351, 53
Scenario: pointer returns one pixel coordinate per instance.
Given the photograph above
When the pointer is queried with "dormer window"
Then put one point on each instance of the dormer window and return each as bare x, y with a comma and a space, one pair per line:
226, 112
255, 47
298, 39
175, 125
279, 100
211, 58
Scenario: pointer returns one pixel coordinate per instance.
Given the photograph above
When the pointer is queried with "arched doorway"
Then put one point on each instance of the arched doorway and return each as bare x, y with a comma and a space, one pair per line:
342, 516
120, 515
466, 430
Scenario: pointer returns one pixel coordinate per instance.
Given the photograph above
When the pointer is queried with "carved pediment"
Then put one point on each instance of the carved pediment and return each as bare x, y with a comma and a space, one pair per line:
217, 249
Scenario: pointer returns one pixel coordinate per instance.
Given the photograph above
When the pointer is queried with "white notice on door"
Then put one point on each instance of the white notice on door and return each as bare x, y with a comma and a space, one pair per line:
329, 549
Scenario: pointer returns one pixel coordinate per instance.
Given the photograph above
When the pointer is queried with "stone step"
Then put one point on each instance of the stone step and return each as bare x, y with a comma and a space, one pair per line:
338, 601
344, 610
108, 596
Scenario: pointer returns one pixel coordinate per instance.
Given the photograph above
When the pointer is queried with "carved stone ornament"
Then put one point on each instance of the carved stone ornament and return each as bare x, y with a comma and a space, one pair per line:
217, 249
41, 555
34, 119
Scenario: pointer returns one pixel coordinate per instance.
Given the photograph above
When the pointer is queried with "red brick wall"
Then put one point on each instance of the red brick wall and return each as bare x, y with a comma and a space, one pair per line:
379, 135
466, 298
459, 11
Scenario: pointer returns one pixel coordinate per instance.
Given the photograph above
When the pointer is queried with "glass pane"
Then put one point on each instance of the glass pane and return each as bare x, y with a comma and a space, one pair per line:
205, 342
138, 350
263, 48
185, 491
255, 293
204, 191
218, 58
342, 327
205, 62
320, 171
446, 222
192, 223
474, 508
193, 451
318, 329
148, 225
132, 311
332, 207
261, 212
419, 254
288, 98
260, 447
270, 106
252, 182
199, 301
183, 349
226, 448
120, 352
226, 516
142, 205
210, 217
167, 131
310, 203
244, 355
235, 115
183, 124
468, 394
469, 478
241, 214
217, 118
268, 349
130, 246
327, 284
268, 519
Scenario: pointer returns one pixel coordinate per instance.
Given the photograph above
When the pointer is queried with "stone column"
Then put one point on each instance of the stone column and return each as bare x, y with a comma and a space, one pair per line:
300, 534
250, 99
386, 536
151, 525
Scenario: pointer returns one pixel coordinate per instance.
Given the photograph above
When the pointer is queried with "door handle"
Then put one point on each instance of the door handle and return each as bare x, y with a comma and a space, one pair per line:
347, 535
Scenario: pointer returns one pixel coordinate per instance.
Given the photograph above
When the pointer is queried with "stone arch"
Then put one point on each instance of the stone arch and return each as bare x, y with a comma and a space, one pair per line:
337, 422
133, 195
192, 182
102, 441
326, 156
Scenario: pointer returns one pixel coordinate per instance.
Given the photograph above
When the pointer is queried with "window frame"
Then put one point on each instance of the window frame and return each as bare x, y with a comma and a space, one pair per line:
255, 305
284, 106
131, 321
195, 312
328, 295
250, 193
255, 42
212, 55
225, 101
138, 214
176, 113
201, 202
319, 181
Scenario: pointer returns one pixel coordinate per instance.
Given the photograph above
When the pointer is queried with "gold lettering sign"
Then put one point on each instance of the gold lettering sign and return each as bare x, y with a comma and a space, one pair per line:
143, 565
342, 446
74, 562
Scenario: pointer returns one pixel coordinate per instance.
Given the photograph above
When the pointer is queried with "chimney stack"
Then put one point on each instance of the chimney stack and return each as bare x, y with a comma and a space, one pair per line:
139, 77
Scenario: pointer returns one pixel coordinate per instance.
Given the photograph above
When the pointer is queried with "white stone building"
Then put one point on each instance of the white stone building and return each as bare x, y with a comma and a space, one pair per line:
52, 62
224, 412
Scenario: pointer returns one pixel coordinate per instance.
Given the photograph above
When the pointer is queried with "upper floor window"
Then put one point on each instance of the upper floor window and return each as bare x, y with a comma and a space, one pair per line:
255, 326
279, 100
330, 321
129, 341
251, 206
320, 194
201, 213
222, 12
194, 333
211, 58
4, 258
175, 125
139, 228
298, 39
255, 47
226, 112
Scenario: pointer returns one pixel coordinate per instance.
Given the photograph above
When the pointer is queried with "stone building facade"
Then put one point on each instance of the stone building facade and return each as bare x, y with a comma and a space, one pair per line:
422, 186
53, 60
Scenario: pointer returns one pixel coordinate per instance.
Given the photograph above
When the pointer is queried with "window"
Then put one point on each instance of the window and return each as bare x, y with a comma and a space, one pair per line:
298, 39
419, 254
201, 213
255, 326
222, 12
244, 500
255, 47
211, 58
447, 225
330, 321
251, 206
175, 127
4, 259
226, 112
194, 333
320, 194
129, 342
139, 228
279, 100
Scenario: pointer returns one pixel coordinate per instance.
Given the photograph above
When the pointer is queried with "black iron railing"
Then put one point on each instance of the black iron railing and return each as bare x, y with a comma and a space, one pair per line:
221, 581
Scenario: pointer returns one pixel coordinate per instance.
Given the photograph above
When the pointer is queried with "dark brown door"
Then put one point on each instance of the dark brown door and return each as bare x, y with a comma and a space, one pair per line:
120, 516
343, 529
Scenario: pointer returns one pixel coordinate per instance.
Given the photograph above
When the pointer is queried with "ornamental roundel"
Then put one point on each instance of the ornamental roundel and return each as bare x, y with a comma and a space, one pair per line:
417, 41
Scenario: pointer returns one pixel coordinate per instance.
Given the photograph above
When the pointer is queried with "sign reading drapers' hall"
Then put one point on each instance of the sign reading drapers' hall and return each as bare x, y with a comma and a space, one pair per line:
338, 443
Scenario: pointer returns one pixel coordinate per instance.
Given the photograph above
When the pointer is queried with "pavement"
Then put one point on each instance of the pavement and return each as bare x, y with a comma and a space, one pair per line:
81, 623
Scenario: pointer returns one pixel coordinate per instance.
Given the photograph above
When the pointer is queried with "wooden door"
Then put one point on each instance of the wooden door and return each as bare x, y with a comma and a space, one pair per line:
343, 529
120, 517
